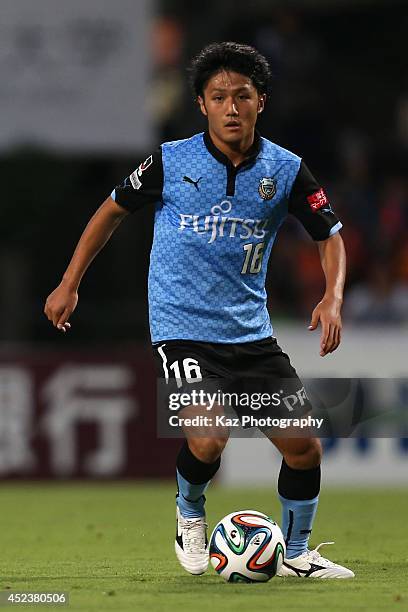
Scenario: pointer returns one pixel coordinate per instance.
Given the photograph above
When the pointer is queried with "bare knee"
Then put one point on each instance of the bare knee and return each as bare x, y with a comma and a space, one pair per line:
207, 450
305, 455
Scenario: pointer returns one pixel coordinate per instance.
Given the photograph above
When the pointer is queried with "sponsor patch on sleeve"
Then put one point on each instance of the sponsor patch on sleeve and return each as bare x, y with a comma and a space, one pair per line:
134, 179
318, 200
136, 175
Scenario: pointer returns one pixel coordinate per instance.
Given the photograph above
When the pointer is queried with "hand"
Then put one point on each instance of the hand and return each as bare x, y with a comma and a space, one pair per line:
328, 313
59, 306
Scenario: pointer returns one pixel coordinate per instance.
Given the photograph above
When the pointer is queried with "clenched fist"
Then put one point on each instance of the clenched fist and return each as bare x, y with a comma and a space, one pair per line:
59, 306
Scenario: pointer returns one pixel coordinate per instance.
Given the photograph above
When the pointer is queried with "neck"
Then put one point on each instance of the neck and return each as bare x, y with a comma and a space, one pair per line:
235, 151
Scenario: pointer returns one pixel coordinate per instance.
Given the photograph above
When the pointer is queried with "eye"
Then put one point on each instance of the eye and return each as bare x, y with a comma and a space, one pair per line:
217, 98
243, 97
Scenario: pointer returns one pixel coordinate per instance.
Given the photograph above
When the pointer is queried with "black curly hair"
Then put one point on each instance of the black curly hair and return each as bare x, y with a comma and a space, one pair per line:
229, 56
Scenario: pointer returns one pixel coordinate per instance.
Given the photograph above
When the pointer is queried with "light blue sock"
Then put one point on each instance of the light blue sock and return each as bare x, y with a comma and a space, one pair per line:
190, 498
297, 521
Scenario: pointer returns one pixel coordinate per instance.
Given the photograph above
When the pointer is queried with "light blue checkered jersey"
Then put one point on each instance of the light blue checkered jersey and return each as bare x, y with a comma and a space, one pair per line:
211, 244
213, 233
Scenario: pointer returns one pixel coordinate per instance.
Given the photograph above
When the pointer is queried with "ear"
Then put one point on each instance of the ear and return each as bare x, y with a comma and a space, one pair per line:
201, 104
261, 103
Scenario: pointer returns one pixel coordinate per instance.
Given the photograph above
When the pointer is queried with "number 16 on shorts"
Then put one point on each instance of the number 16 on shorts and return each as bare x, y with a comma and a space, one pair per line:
189, 371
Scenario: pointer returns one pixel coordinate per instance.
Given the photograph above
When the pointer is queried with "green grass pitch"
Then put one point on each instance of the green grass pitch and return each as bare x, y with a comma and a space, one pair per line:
111, 547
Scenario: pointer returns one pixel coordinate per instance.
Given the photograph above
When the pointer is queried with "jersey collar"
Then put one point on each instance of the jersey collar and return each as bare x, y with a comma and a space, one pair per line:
223, 159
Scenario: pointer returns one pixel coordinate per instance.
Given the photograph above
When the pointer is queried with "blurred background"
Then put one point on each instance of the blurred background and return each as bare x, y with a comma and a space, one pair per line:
89, 89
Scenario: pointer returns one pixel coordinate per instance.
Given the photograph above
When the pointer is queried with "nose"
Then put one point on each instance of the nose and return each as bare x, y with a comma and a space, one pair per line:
232, 108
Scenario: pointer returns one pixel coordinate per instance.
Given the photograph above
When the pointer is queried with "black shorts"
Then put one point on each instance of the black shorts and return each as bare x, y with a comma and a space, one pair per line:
256, 378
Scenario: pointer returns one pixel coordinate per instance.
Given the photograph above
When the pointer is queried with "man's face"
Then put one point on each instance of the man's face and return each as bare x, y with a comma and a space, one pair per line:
232, 104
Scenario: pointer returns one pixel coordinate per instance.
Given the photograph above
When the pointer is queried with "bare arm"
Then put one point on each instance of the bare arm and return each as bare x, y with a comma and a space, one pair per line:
62, 301
333, 260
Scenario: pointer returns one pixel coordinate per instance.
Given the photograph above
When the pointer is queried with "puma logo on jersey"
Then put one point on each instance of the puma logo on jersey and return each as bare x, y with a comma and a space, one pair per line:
187, 179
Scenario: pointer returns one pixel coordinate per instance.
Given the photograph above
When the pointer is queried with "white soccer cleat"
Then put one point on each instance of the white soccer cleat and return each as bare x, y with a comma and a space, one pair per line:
311, 564
191, 544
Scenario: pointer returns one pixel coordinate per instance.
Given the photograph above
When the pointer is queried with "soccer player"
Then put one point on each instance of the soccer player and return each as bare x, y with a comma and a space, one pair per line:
220, 198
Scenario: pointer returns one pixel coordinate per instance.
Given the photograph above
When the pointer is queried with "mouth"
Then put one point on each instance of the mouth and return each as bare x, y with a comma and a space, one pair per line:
233, 125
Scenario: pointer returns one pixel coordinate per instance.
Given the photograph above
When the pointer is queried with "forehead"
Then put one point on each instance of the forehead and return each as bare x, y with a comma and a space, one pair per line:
229, 80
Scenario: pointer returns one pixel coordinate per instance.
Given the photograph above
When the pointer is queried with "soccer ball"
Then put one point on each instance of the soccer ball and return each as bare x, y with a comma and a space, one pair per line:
247, 546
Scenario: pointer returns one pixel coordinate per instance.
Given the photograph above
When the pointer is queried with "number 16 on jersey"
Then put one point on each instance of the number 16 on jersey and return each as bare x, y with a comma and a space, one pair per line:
253, 258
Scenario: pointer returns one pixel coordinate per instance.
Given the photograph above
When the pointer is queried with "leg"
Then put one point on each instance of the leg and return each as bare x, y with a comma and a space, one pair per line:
197, 463
298, 487
299, 479
300, 453
199, 457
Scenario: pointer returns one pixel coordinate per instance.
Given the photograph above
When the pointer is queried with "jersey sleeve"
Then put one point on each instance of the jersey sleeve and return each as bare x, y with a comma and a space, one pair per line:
310, 204
143, 186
